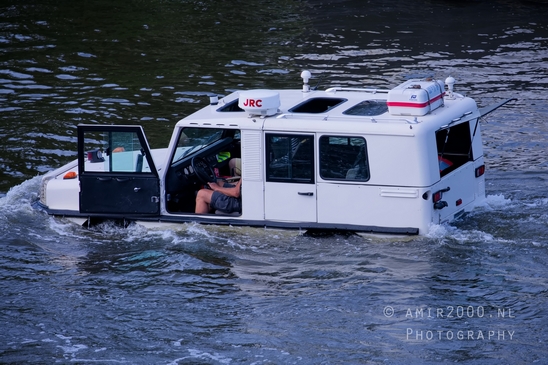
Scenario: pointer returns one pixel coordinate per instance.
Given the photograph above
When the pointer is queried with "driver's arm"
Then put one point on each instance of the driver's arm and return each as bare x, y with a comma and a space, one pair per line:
232, 191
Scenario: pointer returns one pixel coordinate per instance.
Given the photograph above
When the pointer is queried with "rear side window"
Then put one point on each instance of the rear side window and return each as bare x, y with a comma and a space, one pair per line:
343, 158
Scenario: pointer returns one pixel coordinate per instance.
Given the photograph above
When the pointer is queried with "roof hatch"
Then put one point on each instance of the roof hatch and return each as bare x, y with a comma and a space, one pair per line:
368, 108
317, 105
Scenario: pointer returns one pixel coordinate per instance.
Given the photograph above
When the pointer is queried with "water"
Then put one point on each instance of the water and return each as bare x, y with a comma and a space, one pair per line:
472, 292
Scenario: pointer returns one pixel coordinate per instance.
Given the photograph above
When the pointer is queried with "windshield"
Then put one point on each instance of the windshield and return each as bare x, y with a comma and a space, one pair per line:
192, 140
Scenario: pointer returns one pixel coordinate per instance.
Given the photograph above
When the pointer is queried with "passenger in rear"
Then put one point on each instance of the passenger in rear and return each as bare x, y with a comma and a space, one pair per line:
235, 166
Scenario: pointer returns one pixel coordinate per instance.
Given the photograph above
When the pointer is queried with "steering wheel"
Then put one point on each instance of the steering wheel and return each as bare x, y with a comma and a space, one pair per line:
203, 170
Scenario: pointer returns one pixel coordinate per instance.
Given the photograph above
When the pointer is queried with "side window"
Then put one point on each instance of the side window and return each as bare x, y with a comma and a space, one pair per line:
114, 152
343, 158
454, 147
290, 158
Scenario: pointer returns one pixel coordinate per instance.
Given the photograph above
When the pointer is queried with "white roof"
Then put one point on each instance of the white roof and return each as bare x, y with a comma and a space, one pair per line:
287, 119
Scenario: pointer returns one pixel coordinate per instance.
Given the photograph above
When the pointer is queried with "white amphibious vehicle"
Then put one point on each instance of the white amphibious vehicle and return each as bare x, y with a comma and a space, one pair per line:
364, 160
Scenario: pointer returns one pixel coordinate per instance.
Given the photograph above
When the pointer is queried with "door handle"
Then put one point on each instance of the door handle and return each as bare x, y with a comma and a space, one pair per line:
305, 193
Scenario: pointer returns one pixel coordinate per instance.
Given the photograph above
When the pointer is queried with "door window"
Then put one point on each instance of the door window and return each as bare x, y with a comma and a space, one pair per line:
111, 151
290, 158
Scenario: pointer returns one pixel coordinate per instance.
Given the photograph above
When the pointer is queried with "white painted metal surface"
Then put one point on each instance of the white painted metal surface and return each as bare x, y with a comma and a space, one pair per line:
371, 161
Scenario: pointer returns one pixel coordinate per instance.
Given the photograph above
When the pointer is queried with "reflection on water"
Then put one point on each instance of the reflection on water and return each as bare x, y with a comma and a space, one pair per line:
229, 294
139, 62
152, 63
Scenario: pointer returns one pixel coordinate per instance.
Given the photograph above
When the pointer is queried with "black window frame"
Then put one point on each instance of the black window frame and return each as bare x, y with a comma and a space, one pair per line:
84, 141
275, 156
330, 154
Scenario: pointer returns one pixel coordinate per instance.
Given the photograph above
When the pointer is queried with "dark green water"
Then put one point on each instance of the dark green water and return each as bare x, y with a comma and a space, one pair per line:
213, 295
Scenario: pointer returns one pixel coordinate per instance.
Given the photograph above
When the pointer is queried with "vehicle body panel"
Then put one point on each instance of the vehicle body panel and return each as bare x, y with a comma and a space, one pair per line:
370, 173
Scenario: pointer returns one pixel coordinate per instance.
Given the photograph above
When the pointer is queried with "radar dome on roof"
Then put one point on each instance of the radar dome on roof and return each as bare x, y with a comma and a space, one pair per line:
259, 102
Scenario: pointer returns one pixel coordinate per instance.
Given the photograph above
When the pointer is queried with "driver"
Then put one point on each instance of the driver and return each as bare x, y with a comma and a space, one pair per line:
226, 198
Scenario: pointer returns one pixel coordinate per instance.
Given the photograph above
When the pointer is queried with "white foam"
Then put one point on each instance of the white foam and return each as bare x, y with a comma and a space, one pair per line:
72, 349
20, 196
204, 356
62, 227
497, 201
537, 203
442, 232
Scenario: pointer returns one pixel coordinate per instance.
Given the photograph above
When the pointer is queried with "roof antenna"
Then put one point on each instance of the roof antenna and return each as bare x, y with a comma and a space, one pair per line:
322, 76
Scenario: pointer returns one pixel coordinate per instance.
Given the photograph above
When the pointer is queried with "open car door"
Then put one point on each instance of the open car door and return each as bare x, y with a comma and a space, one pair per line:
117, 173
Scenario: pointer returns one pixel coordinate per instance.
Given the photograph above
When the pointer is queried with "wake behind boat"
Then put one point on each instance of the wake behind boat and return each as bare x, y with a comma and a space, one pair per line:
365, 160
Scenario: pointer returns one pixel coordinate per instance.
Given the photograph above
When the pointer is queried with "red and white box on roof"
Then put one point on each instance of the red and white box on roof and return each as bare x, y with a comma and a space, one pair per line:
416, 97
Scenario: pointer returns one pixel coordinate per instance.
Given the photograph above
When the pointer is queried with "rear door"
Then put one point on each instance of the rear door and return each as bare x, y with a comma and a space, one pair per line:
290, 188
116, 171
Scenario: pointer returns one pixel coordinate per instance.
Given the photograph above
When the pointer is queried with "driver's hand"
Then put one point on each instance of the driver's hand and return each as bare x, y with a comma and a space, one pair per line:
214, 186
